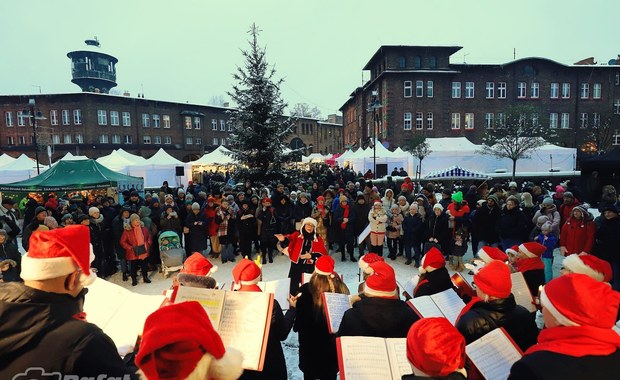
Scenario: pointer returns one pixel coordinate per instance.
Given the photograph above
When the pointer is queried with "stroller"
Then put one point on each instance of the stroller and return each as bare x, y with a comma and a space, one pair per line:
171, 252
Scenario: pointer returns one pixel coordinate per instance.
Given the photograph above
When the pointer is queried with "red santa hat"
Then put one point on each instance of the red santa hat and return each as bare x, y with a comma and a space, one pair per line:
494, 279
198, 265
589, 265
435, 347
57, 253
381, 282
576, 299
246, 275
180, 342
324, 265
432, 260
514, 250
532, 249
488, 254
369, 258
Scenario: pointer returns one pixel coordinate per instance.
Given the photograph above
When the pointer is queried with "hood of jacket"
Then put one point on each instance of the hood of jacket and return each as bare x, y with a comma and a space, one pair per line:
386, 193
144, 212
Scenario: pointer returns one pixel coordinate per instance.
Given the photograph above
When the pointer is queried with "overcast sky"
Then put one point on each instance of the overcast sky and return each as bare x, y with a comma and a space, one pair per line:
186, 50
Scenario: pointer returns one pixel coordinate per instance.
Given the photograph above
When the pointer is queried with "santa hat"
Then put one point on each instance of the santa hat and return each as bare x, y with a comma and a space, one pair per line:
514, 250
488, 254
57, 253
266, 200
590, 265
532, 249
246, 275
377, 201
494, 279
180, 342
381, 282
435, 347
579, 300
198, 265
433, 259
365, 261
324, 265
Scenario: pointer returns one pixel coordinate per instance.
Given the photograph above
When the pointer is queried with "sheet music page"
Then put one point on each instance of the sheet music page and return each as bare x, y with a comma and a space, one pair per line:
243, 322
212, 300
425, 306
280, 290
305, 278
336, 305
449, 303
411, 284
493, 354
521, 292
397, 351
364, 358
364, 234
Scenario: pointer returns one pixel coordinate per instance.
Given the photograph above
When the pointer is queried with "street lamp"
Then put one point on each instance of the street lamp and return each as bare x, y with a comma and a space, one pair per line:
373, 106
34, 117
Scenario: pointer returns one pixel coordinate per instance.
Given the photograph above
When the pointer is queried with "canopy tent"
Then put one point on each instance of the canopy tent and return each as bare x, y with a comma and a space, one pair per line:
456, 173
20, 169
76, 175
70, 157
219, 156
162, 167
332, 160
5, 159
362, 159
116, 162
314, 157
137, 160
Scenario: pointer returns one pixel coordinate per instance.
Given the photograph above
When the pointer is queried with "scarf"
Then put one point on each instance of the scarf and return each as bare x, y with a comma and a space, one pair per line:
533, 263
345, 214
470, 304
138, 235
321, 206
577, 341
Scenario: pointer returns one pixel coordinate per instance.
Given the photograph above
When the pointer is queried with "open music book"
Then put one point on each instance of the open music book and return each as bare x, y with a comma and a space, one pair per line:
521, 292
371, 358
445, 304
335, 305
280, 290
242, 319
409, 287
494, 354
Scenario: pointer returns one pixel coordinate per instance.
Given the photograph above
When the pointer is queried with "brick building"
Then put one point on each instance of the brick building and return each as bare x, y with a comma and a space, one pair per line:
93, 124
421, 92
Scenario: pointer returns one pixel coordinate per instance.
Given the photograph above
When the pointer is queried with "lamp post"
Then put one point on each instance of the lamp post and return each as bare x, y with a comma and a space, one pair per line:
34, 117
373, 106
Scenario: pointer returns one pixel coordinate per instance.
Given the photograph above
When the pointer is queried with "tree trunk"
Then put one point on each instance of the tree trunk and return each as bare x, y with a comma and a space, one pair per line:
514, 168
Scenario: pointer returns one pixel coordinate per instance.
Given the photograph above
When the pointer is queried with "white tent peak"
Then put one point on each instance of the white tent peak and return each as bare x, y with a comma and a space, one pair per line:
163, 158
219, 156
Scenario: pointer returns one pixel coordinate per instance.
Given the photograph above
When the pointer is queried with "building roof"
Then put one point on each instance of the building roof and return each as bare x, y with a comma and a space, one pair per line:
385, 48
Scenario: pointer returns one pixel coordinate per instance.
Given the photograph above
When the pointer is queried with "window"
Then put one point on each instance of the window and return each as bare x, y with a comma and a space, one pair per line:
116, 139
22, 140
10, 140
223, 141
114, 119
103, 139
617, 79
167, 140
146, 140
8, 119
157, 140
417, 62
198, 141
535, 90
146, 120
432, 62
222, 125
565, 90
214, 124
553, 120
102, 117
126, 119
501, 120
419, 120
429, 120
67, 139
596, 91
55, 139
407, 89
128, 139
584, 91
79, 138
419, 88
21, 119
535, 119
156, 121
617, 139
401, 62
554, 91
187, 122
166, 119
77, 117
616, 107
521, 90
229, 126
469, 121
565, 120
189, 141
456, 90
469, 90
596, 119
53, 117
429, 89
65, 117
407, 121
583, 120
456, 121
196, 122
215, 141
490, 90
489, 119
501, 90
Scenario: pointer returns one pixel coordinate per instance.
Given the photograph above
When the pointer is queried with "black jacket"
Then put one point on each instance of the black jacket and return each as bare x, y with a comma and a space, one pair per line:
438, 228
9, 251
486, 316
484, 222
512, 224
413, 229
546, 365
348, 234
38, 329
361, 223
606, 246
379, 317
438, 281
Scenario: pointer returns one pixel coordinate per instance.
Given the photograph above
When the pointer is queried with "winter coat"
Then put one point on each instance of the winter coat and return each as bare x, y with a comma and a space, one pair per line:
128, 241
247, 226
378, 221
460, 214
361, 223
484, 222
302, 211
547, 365
433, 282
426, 209
170, 224
578, 235
97, 236
483, 317
349, 231
196, 239
43, 332
9, 251
378, 317
437, 228
606, 246
566, 211
413, 229
285, 217
118, 227
554, 218
210, 216
269, 224
323, 223
388, 201
512, 225
395, 221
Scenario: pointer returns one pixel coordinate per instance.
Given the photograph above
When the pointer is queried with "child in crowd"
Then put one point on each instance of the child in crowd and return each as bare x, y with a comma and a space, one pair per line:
549, 240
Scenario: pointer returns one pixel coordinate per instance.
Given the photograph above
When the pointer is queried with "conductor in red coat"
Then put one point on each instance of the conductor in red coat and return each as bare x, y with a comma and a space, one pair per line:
136, 241
303, 248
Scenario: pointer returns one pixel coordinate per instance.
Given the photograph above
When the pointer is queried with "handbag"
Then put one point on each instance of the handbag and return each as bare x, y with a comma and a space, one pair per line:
139, 250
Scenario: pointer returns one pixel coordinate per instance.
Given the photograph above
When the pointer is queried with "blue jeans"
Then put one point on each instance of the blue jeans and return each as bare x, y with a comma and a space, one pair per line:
417, 252
548, 269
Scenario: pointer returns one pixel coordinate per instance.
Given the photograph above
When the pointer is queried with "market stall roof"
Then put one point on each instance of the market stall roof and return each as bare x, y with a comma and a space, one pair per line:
136, 160
70, 175
70, 157
24, 162
116, 161
163, 158
220, 156
5, 159
456, 173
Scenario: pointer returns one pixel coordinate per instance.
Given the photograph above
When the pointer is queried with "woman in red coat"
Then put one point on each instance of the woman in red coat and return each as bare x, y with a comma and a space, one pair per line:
136, 241
577, 235
209, 210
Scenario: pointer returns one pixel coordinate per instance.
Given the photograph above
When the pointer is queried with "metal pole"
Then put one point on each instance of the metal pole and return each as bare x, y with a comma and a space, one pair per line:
34, 134
374, 141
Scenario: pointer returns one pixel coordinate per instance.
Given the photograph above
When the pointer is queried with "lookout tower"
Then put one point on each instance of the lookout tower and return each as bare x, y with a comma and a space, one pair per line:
93, 70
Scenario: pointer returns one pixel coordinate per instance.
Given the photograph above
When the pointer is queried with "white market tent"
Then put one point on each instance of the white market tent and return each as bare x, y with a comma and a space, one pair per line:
162, 167
456, 173
5, 159
137, 160
20, 169
314, 157
117, 162
70, 157
220, 156
362, 159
